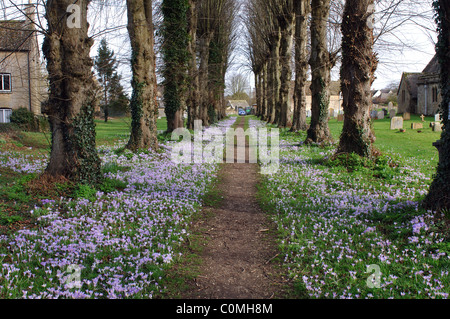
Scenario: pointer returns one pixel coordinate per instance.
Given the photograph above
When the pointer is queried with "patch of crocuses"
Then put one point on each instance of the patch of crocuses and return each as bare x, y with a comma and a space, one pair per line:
350, 235
118, 244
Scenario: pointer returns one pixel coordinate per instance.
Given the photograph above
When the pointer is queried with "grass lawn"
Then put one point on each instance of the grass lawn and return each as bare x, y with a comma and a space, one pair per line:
107, 133
355, 229
413, 145
347, 228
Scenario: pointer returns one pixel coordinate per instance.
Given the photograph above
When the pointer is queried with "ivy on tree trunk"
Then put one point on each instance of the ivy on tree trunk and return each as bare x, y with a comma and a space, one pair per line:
176, 57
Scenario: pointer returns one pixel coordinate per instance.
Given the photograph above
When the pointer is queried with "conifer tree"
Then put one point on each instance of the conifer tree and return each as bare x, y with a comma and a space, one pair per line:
106, 65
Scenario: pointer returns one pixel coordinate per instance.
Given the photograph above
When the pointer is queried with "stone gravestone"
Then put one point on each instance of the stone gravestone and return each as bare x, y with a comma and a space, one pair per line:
331, 112
406, 116
340, 117
437, 118
396, 123
373, 114
437, 127
380, 115
416, 126
390, 106
392, 113
308, 113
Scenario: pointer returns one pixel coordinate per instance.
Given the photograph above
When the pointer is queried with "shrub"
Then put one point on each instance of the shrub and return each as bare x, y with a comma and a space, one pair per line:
28, 121
23, 118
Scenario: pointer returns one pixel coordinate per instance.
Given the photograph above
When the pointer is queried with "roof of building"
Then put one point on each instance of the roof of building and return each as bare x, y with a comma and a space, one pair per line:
15, 35
410, 80
238, 103
433, 66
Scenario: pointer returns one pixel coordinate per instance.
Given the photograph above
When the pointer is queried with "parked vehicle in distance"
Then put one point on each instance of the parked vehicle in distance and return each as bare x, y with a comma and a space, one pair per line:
242, 112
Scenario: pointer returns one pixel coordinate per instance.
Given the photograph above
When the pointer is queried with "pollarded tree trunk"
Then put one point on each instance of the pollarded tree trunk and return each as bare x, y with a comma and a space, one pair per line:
265, 93
193, 99
70, 106
320, 63
438, 197
287, 23
176, 58
274, 77
258, 88
215, 76
204, 44
357, 75
302, 9
143, 105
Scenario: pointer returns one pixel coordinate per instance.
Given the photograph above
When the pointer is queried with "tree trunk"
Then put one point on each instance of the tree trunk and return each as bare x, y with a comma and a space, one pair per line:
265, 93
194, 89
215, 76
143, 105
222, 103
357, 75
105, 107
320, 64
258, 88
302, 10
438, 197
287, 24
176, 58
70, 107
204, 44
274, 77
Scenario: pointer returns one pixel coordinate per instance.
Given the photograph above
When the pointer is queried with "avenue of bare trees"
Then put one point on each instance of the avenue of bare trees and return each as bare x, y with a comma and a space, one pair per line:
287, 41
313, 28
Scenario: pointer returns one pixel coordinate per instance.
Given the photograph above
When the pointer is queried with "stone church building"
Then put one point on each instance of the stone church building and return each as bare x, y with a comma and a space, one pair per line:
419, 93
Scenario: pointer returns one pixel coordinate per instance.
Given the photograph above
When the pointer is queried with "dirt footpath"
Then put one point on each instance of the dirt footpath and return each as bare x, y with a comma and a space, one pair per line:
239, 258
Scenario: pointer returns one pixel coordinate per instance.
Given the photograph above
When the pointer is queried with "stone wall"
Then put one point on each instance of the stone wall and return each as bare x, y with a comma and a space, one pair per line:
425, 103
335, 103
27, 83
406, 103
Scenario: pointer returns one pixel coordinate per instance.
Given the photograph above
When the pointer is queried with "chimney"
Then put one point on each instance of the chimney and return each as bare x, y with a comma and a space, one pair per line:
30, 14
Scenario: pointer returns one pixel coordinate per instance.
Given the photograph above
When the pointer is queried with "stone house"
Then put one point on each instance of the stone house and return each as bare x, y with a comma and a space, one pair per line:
419, 93
233, 106
407, 93
22, 84
335, 105
428, 89
382, 96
